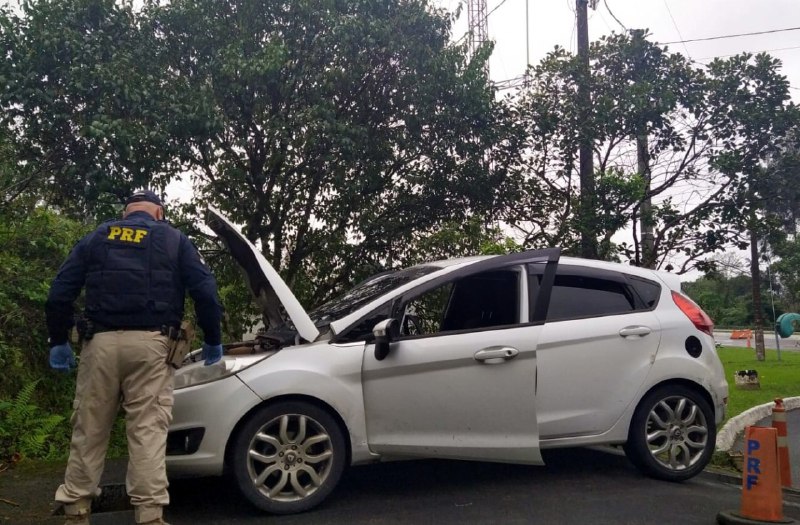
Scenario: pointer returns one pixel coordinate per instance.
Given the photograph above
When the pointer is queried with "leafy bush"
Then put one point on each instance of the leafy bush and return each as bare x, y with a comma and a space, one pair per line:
25, 429
35, 243
34, 400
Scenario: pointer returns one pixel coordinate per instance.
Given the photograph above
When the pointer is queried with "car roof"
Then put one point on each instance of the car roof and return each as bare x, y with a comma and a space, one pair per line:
671, 280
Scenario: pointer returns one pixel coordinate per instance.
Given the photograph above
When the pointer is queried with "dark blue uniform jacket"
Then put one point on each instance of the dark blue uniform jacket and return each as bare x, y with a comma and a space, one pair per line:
136, 272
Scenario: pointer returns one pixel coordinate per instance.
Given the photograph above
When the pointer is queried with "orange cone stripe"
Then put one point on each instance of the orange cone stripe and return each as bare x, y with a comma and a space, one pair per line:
779, 423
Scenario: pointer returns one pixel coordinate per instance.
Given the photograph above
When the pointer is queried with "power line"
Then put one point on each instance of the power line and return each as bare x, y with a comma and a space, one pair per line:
574, 27
674, 23
495, 8
732, 36
610, 12
610, 29
481, 21
754, 52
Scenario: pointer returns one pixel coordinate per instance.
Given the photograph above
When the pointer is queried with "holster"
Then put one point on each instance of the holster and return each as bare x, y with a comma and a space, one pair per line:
180, 343
85, 329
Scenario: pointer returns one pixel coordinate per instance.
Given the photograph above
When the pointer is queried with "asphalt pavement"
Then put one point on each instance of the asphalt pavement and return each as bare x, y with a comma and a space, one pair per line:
790, 344
576, 486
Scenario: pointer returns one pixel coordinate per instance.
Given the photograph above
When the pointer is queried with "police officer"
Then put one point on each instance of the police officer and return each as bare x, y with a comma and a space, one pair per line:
136, 272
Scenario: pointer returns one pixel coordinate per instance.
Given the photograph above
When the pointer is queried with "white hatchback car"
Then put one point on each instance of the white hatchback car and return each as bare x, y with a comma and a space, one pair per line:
482, 358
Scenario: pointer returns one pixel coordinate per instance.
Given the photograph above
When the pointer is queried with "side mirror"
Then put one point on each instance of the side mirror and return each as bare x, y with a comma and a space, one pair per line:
384, 332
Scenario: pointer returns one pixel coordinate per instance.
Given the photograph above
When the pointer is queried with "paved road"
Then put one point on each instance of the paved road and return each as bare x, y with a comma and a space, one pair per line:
791, 344
577, 486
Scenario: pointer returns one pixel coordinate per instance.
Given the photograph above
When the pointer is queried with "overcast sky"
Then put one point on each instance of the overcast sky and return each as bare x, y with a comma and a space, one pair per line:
552, 22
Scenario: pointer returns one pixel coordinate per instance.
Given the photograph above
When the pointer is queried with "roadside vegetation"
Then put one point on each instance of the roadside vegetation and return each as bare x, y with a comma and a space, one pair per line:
777, 378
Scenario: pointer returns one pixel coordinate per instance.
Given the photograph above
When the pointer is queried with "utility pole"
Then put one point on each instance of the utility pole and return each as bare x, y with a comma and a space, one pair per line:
588, 212
526, 77
755, 273
646, 226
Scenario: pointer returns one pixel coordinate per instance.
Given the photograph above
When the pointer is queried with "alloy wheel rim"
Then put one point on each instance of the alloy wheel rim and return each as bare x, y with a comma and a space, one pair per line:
290, 458
676, 433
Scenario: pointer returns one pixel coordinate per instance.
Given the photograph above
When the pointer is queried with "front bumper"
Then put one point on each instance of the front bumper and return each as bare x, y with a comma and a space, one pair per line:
204, 417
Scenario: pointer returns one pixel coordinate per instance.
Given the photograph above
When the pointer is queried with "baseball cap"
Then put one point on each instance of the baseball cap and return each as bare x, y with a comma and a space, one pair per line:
144, 196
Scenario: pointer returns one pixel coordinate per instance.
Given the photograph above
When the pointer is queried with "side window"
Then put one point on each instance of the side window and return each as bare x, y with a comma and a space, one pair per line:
424, 314
648, 291
575, 296
580, 292
484, 300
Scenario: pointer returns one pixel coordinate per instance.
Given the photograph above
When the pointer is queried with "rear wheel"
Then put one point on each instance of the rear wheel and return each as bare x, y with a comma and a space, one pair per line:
289, 457
672, 433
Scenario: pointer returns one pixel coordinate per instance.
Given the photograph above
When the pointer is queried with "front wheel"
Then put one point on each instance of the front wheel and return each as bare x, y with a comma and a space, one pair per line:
288, 457
672, 433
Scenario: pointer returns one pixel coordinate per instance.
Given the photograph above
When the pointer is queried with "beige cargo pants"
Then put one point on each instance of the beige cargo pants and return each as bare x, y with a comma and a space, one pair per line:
128, 367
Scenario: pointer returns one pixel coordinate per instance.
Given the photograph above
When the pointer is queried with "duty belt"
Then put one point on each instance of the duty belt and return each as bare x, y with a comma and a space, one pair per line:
87, 329
99, 329
163, 329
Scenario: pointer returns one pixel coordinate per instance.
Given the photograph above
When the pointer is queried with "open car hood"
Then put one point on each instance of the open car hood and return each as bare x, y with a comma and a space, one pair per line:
260, 273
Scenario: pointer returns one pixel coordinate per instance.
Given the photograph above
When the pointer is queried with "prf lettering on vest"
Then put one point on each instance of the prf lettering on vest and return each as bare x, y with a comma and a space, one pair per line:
753, 464
117, 233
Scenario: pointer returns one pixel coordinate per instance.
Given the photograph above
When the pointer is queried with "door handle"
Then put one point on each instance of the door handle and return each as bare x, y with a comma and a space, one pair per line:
629, 332
496, 354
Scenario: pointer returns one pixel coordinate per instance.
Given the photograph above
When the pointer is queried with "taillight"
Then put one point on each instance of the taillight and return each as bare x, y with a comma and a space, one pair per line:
696, 315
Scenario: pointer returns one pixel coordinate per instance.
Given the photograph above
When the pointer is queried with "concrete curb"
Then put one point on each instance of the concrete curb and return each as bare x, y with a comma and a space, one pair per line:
735, 425
730, 478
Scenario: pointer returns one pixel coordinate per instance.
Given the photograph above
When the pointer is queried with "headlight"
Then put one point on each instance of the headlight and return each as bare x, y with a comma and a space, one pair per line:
196, 373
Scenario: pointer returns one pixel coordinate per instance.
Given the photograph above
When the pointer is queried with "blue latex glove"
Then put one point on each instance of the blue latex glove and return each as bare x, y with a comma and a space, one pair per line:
211, 353
62, 357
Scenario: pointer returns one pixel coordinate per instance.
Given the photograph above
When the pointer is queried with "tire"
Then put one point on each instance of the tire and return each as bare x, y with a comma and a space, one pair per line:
288, 457
672, 433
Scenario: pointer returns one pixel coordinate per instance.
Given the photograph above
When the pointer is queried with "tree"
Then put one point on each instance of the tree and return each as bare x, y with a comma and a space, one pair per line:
337, 134
779, 182
728, 300
753, 115
14, 181
84, 102
639, 90
542, 191
667, 137
787, 273
782, 208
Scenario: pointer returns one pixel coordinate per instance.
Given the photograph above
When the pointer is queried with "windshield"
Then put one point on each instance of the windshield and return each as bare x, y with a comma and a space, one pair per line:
365, 292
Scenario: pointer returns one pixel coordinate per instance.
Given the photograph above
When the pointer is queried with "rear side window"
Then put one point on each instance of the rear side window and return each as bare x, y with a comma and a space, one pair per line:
575, 296
581, 292
648, 291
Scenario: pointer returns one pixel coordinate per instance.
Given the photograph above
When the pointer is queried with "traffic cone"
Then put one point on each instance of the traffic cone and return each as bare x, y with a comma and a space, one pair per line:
779, 424
762, 500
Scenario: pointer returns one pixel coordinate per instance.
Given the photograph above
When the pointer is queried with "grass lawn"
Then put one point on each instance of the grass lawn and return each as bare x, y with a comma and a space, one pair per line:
778, 378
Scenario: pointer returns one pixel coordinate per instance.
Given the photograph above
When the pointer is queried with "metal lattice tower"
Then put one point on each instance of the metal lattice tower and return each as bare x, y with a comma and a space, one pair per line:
478, 24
